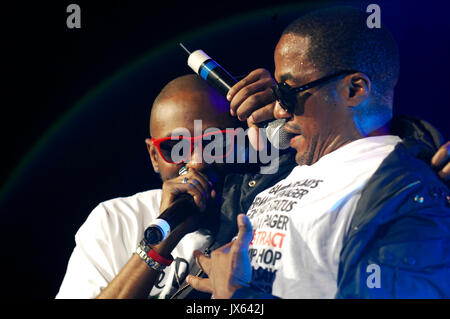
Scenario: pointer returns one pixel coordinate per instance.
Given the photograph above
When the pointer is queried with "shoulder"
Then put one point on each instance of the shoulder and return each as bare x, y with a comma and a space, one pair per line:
403, 189
123, 214
139, 203
401, 223
402, 170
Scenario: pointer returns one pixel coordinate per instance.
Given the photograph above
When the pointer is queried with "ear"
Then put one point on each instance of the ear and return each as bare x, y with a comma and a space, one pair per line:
356, 89
153, 152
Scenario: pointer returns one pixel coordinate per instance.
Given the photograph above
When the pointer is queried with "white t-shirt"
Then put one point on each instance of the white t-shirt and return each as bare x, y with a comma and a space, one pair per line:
299, 223
108, 239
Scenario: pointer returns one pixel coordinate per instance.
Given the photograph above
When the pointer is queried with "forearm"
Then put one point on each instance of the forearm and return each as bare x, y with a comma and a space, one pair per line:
136, 278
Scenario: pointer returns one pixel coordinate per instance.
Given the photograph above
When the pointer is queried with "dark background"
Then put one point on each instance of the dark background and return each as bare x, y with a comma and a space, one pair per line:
76, 102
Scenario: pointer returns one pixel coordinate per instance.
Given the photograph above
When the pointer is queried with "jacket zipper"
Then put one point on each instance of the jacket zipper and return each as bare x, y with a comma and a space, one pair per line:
407, 187
180, 290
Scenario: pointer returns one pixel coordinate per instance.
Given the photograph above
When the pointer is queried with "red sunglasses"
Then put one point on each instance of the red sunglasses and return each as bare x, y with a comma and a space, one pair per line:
178, 149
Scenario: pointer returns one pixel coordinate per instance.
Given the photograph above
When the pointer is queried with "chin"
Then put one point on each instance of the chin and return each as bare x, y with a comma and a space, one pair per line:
300, 158
304, 158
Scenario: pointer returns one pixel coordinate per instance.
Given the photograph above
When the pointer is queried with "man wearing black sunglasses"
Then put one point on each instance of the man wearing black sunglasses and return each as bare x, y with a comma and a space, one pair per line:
364, 216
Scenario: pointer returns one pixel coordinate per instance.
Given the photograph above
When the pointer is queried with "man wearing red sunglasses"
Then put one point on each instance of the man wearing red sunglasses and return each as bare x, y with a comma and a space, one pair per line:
106, 262
174, 114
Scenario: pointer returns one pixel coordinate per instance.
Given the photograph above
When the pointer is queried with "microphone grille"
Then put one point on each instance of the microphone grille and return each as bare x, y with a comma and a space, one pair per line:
277, 135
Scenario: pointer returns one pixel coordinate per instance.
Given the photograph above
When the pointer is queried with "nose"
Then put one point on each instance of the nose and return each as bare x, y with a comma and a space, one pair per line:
279, 112
197, 161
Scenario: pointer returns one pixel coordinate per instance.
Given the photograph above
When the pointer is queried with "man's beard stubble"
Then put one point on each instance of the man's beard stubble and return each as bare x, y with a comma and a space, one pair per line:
307, 157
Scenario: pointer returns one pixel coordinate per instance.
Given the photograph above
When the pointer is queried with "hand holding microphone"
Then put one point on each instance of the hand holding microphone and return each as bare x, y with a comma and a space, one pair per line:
192, 182
184, 201
251, 98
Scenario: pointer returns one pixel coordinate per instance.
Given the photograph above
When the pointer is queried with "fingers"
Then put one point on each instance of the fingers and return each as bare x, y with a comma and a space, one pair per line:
201, 183
445, 172
251, 94
250, 78
202, 261
199, 180
201, 284
197, 185
229, 266
441, 156
441, 159
245, 234
254, 137
251, 98
193, 188
263, 114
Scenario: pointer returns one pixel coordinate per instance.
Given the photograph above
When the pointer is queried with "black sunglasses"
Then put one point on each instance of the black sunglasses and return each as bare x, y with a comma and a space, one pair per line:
287, 96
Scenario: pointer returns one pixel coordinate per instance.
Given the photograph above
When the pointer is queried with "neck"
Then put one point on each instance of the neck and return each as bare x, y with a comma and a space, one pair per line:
332, 142
372, 120
336, 143
384, 130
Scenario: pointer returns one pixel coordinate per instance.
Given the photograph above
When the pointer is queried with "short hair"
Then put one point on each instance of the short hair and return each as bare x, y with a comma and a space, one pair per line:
341, 40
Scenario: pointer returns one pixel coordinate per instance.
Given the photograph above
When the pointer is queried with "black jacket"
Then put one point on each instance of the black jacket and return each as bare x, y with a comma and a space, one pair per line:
401, 223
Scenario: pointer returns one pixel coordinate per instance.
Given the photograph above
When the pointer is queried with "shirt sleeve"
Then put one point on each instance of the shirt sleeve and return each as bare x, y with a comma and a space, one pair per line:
98, 256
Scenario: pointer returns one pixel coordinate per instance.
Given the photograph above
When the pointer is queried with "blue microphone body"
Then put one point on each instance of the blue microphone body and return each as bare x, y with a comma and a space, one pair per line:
211, 71
183, 207
219, 78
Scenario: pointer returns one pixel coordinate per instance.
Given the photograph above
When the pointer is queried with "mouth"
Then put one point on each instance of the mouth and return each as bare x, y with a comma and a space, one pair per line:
291, 130
294, 134
294, 140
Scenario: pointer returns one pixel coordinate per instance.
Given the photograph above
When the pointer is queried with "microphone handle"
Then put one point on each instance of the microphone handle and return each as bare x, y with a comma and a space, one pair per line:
182, 207
220, 79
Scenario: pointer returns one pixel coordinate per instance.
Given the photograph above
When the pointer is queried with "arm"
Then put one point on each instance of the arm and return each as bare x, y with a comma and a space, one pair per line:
136, 278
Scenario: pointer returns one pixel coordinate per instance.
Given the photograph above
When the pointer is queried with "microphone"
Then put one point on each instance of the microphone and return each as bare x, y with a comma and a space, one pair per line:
182, 207
277, 135
219, 78
210, 71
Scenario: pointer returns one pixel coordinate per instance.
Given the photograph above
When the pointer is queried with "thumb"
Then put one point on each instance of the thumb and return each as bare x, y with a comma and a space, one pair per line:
254, 137
245, 234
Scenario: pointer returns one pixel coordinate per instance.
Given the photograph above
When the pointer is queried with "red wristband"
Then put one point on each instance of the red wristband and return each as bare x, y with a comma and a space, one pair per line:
159, 259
